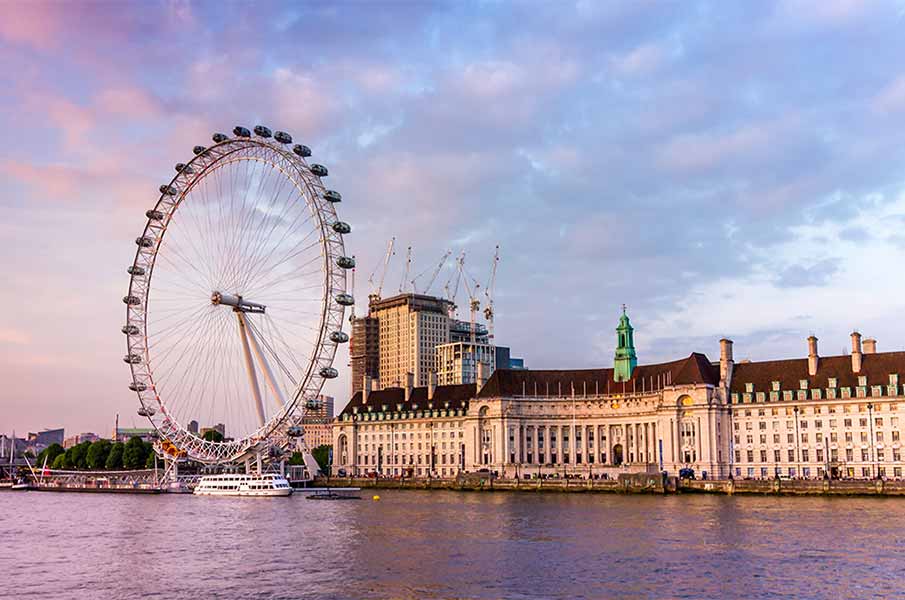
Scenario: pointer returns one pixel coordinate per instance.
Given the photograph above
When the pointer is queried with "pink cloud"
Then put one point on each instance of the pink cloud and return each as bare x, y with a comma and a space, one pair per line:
891, 98
695, 152
641, 60
127, 101
30, 24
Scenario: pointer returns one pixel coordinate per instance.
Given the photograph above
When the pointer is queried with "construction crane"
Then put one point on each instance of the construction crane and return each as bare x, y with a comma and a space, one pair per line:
374, 296
489, 291
474, 303
433, 278
408, 266
456, 276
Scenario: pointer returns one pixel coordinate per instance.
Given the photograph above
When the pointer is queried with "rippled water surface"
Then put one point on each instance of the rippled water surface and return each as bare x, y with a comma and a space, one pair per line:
450, 545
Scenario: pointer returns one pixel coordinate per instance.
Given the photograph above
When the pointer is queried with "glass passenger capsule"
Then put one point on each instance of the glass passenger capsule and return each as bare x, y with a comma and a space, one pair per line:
144, 242
184, 168
332, 196
131, 300
154, 215
134, 270
319, 170
345, 299
262, 131
168, 190
219, 138
346, 262
342, 227
240, 131
329, 373
339, 337
132, 359
295, 431
198, 149
282, 137
131, 329
146, 411
137, 386
301, 150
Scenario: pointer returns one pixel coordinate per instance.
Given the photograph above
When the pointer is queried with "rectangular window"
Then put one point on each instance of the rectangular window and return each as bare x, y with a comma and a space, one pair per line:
791, 455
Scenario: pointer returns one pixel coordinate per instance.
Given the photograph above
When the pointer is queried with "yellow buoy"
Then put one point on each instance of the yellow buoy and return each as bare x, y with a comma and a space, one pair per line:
376, 498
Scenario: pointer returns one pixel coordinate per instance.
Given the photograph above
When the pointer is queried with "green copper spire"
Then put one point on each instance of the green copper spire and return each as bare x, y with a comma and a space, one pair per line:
626, 361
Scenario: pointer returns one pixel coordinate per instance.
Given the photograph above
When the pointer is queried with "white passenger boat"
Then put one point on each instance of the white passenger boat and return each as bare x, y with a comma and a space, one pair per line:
235, 484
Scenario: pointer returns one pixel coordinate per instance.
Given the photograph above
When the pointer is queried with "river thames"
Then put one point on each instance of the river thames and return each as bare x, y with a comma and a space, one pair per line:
414, 544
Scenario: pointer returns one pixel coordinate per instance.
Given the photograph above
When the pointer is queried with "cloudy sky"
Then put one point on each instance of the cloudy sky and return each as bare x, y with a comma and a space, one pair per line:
724, 169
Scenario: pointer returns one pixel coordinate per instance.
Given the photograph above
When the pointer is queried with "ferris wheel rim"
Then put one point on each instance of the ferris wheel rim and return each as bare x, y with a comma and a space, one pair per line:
319, 368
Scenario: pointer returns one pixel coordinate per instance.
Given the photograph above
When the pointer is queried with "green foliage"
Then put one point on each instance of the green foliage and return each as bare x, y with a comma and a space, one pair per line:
322, 456
149, 462
59, 462
97, 454
78, 456
134, 454
297, 459
50, 453
115, 458
212, 435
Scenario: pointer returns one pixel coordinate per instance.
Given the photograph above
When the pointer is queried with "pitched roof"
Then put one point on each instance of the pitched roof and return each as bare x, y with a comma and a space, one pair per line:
789, 373
457, 396
696, 368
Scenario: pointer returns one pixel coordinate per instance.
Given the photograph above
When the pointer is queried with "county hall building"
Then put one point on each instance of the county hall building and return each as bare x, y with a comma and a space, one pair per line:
811, 417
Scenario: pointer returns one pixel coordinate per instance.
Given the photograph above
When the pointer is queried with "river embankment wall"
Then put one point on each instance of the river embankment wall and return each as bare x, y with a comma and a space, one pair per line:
632, 484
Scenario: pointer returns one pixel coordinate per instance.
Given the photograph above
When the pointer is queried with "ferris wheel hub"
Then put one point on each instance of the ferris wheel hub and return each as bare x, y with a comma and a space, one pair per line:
238, 303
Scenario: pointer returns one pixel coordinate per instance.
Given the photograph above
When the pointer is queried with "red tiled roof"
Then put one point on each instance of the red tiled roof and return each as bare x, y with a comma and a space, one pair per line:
877, 367
696, 368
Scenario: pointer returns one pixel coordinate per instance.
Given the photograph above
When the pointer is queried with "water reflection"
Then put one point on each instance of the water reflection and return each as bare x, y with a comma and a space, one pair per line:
451, 545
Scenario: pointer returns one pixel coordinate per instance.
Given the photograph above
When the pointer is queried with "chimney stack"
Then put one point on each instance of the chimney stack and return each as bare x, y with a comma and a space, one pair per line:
813, 358
431, 385
409, 384
480, 378
726, 361
366, 388
870, 346
856, 352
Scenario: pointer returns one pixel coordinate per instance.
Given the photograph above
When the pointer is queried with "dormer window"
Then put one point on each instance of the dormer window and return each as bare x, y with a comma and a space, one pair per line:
894, 379
749, 387
802, 384
862, 380
775, 386
831, 383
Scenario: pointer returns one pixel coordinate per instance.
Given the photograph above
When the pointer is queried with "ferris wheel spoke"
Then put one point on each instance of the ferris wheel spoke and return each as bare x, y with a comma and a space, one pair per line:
265, 261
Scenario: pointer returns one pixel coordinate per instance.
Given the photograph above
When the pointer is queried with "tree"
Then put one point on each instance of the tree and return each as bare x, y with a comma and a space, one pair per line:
134, 454
322, 456
115, 458
212, 435
59, 462
297, 459
50, 453
77, 456
151, 455
98, 453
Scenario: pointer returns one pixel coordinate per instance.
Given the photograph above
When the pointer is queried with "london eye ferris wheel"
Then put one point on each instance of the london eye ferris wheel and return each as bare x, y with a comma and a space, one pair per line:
236, 295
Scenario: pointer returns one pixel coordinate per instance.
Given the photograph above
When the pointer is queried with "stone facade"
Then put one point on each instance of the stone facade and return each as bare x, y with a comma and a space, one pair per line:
836, 416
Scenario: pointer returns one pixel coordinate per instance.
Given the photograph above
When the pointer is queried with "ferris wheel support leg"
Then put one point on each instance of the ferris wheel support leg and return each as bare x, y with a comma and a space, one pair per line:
250, 367
265, 367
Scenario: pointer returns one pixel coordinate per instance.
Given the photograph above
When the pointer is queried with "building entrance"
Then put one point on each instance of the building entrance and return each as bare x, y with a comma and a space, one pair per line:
617, 454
